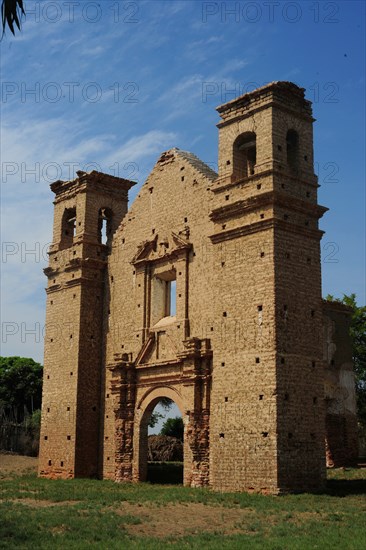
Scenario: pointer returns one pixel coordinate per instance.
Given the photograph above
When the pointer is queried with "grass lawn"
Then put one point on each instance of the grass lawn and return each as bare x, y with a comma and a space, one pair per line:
40, 513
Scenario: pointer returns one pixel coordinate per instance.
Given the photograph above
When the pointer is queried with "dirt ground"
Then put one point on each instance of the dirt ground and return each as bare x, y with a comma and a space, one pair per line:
10, 462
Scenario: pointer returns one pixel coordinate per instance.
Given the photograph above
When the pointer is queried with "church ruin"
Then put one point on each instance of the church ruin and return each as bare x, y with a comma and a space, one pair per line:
256, 362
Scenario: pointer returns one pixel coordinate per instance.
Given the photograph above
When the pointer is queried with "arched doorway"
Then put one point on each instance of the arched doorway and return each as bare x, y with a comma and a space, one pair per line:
165, 444
142, 418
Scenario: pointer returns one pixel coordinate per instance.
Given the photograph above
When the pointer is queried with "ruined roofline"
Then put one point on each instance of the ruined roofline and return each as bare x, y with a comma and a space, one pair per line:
197, 163
336, 305
60, 185
282, 86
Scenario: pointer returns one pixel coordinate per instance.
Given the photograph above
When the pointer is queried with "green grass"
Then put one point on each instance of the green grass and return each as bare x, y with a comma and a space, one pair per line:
78, 514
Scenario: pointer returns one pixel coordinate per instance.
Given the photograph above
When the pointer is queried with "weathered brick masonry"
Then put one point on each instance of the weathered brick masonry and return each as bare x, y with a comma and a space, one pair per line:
245, 356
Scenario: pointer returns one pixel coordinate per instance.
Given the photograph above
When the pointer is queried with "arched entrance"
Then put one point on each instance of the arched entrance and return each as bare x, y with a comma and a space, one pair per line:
142, 417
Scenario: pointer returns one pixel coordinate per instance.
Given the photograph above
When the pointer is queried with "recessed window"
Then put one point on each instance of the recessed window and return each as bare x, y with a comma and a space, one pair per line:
257, 360
164, 296
68, 437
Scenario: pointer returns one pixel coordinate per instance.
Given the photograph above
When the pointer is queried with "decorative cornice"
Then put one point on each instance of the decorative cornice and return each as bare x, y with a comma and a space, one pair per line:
264, 225
271, 198
283, 174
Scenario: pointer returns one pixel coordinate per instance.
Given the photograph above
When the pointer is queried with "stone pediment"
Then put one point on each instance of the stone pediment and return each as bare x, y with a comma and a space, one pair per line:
162, 247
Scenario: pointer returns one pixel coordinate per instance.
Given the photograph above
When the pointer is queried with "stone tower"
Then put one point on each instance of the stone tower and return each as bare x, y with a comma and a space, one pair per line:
87, 211
267, 416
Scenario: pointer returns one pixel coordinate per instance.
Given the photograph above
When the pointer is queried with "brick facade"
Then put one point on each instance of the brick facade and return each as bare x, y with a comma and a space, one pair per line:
243, 353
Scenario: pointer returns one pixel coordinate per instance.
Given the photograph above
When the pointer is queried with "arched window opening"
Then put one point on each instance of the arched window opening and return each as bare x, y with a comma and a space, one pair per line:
68, 227
244, 155
162, 460
104, 225
292, 143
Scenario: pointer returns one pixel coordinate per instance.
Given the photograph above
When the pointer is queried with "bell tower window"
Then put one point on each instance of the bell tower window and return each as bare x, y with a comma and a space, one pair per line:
244, 155
104, 225
68, 227
292, 144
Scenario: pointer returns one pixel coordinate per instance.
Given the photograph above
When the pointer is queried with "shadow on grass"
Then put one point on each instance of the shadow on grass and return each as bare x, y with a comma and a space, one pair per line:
345, 487
165, 473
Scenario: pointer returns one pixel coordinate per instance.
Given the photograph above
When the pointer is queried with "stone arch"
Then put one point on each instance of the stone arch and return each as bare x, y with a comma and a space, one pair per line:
143, 411
244, 155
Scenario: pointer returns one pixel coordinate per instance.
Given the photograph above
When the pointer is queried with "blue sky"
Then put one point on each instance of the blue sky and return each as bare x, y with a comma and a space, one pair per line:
116, 83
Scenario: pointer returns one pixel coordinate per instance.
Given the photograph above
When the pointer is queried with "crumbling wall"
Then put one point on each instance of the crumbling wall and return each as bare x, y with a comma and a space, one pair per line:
339, 387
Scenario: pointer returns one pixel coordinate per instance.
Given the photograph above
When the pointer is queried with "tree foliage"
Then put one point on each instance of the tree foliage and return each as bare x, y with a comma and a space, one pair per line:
11, 13
173, 427
165, 403
358, 336
20, 387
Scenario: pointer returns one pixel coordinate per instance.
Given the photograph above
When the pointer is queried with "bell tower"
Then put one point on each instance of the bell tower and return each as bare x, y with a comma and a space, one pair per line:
87, 212
267, 392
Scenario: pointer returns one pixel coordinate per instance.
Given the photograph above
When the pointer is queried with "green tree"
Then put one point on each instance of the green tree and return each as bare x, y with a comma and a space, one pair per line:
20, 387
11, 12
173, 427
358, 335
165, 403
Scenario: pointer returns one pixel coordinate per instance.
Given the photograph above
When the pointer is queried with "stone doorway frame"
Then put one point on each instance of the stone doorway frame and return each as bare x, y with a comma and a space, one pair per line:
136, 388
